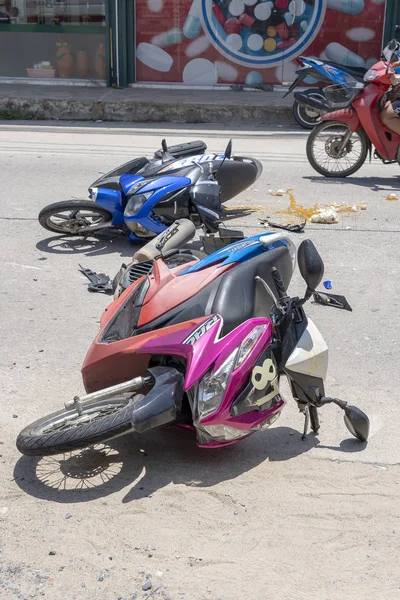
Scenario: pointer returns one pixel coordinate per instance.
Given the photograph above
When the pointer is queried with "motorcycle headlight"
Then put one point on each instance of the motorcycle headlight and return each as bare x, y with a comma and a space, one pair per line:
370, 75
135, 204
248, 343
212, 387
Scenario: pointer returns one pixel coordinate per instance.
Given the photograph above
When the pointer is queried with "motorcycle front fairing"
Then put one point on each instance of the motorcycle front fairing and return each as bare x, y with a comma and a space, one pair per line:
218, 369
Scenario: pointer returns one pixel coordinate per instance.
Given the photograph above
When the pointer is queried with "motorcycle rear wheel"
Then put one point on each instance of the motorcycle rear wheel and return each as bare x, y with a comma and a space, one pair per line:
71, 216
306, 116
323, 143
65, 430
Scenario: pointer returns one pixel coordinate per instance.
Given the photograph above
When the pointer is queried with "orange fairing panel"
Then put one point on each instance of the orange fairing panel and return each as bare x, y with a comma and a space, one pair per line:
163, 296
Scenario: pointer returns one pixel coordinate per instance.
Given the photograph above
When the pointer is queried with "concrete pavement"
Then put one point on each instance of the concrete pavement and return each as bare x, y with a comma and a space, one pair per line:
92, 103
318, 516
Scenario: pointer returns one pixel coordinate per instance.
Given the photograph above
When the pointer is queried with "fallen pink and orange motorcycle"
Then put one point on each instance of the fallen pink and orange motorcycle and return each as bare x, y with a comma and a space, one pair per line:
201, 345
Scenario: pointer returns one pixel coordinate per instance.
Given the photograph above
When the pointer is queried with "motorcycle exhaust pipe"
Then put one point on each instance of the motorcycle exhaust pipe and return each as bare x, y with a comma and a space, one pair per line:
306, 100
176, 236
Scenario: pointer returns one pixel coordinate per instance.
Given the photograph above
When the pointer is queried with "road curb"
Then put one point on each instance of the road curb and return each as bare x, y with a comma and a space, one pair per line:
141, 112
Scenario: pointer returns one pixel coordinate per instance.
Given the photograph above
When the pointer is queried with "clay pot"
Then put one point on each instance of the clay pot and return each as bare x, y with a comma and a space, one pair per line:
100, 62
82, 63
64, 61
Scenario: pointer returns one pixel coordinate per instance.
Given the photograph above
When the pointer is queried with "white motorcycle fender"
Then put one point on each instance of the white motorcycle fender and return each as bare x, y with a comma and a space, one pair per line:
310, 357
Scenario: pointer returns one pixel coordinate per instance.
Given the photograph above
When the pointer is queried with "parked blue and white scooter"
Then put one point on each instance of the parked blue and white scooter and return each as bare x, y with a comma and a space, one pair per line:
143, 197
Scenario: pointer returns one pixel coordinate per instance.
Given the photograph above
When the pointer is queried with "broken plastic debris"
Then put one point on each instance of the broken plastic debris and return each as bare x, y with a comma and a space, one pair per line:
328, 216
327, 284
362, 206
354, 208
347, 228
392, 197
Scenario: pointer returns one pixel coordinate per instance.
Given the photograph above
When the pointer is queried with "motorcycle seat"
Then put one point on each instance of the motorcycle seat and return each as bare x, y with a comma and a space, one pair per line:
182, 150
236, 295
356, 72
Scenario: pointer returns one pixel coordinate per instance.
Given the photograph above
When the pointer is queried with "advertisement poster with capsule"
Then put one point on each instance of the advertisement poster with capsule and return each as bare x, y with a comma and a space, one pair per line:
253, 42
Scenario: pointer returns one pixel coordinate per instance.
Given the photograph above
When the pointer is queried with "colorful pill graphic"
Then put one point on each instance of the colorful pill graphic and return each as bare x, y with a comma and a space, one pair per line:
155, 5
262, 11
162, 40
200, 71
271, 31
304, 25
232, 26
246, 20
253, 78
282, 31
286, 44
192, 26
350, 7
270, 45
226, 72
234, 41
297, 7
255, 42
281, 4
338, 53
154, 57
360, 34
236, 7
218, 13
250, 2
197, 47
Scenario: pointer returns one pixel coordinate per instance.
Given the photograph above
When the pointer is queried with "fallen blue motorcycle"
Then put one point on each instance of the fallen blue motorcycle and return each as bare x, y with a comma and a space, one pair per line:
143, 197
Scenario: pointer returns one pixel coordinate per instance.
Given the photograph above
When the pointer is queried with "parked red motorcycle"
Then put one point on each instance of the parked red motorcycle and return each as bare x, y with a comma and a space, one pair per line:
339, 145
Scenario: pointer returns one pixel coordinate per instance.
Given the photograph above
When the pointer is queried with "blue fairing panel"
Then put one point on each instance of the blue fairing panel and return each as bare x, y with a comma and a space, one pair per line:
127, 181
236, 252
111, 200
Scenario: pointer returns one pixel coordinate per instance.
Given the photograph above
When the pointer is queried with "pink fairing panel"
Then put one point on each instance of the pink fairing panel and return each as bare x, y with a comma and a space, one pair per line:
202, 347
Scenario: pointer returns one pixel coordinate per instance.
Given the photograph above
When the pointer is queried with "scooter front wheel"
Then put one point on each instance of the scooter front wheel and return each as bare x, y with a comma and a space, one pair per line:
325, 152
66, 430
74, 217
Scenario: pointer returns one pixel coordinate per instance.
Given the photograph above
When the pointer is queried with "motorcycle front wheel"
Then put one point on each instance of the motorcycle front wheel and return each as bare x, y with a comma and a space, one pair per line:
324, 151
74, 217
66, 430
306, 116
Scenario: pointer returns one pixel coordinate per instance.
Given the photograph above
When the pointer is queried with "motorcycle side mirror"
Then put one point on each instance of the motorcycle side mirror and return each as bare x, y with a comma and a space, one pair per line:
356, 422
164, 146
228, 150
311, 267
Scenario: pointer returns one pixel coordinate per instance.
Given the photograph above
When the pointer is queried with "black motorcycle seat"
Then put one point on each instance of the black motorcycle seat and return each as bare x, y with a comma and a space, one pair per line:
356, 72
236, 295
186, 149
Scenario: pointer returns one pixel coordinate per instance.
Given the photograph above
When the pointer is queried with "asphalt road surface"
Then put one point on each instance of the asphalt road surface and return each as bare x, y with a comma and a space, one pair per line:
269, 518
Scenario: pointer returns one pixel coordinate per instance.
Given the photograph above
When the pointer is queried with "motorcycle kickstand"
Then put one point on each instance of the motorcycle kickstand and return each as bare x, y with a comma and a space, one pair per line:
305, 410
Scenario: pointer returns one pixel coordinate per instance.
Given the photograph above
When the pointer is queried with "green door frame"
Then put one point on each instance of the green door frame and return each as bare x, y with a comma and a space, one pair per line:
392, 18
120, 32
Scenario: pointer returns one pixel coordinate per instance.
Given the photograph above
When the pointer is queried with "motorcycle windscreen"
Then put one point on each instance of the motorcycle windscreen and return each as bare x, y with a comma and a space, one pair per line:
235, 176
130, 168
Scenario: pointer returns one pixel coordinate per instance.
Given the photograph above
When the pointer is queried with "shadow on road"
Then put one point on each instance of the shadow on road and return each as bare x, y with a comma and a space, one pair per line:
154, 461
109, 242
376, 184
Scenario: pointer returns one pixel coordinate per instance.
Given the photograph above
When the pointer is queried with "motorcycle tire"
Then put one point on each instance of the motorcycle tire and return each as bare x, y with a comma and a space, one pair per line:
73, 206
38, 439
364, 142
306, 116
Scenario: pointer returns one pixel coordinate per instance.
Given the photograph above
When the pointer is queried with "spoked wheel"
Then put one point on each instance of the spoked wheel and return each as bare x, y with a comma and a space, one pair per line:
74, 217
66, 430
306, 116
325, 152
